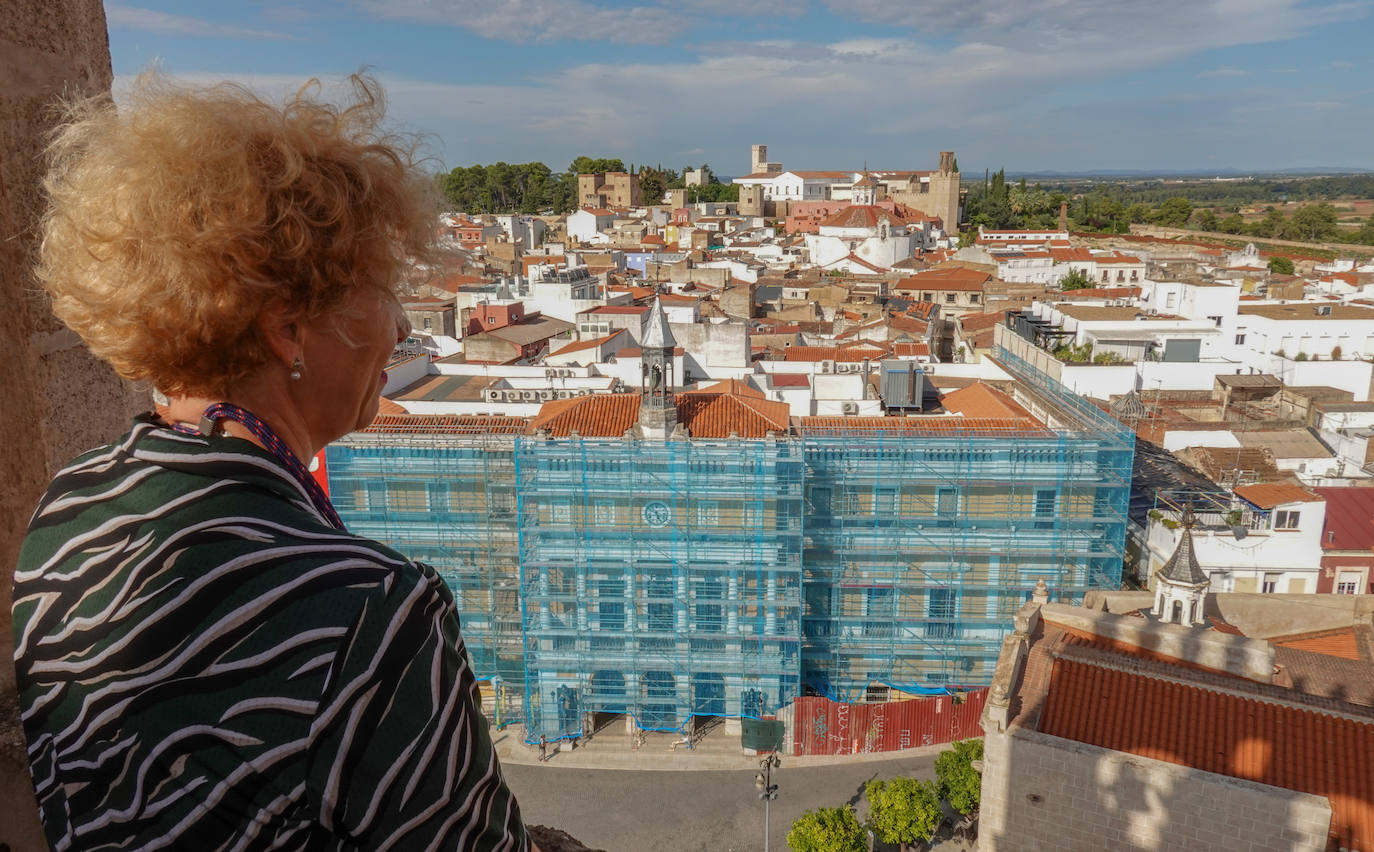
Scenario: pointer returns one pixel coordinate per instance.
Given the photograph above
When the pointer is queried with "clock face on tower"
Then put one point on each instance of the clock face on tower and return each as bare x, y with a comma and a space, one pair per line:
656, 513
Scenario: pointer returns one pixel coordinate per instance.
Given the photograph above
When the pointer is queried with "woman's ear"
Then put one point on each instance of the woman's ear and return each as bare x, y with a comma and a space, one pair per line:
281, 331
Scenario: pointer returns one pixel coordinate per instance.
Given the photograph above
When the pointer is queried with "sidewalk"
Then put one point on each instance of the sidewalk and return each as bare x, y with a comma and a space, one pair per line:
610, 748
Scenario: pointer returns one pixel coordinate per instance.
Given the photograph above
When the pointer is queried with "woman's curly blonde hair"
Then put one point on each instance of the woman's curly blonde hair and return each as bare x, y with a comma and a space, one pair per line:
176, 218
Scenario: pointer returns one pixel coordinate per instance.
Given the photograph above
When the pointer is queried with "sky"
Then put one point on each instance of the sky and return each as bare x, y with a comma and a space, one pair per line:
1029, 85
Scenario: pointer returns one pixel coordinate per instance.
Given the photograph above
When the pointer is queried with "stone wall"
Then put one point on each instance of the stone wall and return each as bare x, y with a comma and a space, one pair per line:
1046, 793
57, 400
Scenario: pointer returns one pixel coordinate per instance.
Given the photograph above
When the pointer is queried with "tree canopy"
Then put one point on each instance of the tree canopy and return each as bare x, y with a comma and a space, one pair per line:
1075, 279
534, 187
959, 783
903, 810
1281, 265
827, 830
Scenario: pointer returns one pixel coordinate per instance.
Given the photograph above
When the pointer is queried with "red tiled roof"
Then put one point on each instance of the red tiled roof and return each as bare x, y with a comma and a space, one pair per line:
982, 400
589, 344
638, 310
916, 425
1267, 495
978, 322
1339, 642
833, 353
1243, 736
386, 406
910, 350
737, 387
1349, 518
718, 415
598, 211
791, 380
604, 415
447, 424
860, 216
945, 278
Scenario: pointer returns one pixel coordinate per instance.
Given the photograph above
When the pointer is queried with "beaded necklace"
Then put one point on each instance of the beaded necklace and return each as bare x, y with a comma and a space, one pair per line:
209, 425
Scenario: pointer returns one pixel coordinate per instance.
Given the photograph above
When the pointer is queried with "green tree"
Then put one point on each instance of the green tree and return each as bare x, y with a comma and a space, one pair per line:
903, 810
827, 830
1311, 222
1174, 212
1205, 219
1138, 213
959, 783
1075, 279
1231, 224
1281, 265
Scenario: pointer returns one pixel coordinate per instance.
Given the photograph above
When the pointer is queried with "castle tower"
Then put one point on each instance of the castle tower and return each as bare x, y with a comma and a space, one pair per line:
944, 194
758, 161
751, 200
1181, 585
657, 409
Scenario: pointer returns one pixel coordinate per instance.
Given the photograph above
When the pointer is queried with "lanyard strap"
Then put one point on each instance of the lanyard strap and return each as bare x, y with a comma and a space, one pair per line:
273, 444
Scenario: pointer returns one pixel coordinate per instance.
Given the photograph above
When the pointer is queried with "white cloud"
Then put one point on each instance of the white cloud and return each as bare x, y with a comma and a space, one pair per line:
131, 17
651, 22
1225, 72
538, 20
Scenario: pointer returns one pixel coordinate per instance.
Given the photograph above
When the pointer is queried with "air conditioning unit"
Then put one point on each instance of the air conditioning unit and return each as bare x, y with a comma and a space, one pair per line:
514, 396
827, 366
562, 394
850, 408
528, 395
550, 373
494, 395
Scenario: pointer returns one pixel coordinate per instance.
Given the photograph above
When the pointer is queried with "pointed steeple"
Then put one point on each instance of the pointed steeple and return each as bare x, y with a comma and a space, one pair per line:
1181, 585
1182, 566
656, 333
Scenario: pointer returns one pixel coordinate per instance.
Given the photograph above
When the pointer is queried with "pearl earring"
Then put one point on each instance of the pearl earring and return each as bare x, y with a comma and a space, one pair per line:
296, 370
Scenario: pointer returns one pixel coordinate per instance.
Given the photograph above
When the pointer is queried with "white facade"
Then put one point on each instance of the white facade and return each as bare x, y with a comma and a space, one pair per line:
586, 226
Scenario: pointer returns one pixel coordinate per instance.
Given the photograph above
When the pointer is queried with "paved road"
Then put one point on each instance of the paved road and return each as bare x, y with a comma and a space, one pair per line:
702, 811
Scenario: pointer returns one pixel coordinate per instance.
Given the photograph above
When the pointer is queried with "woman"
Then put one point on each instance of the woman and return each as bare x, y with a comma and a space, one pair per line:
206, 658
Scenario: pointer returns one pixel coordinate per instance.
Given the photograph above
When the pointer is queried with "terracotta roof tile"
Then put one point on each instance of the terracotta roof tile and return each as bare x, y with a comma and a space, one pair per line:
447, 424
900, 426
910, 350
580, 345
1340, 642
1267, 495
982, 400
604, 415
718, 415
791, 380
738, 387
834, 353
1221, 732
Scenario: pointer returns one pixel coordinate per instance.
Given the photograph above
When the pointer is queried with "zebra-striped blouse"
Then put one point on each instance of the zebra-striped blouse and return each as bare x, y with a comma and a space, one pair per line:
205, 664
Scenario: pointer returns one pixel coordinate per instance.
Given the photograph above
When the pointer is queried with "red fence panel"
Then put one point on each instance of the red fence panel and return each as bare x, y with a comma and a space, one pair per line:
822, 726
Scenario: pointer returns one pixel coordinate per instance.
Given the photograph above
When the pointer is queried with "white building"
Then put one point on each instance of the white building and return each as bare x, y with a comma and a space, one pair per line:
587, 225
874, 235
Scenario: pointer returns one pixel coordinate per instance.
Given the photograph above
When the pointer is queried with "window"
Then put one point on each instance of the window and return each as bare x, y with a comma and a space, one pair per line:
429, 323
949, 298
1348, 583
1044, 508
1286, 520
1215, 321
1240, 338
660, 617
927, 297
946, 507
942, 609
1169, 301
604, 513
560, 512
973, 298
1271, 583
708, 514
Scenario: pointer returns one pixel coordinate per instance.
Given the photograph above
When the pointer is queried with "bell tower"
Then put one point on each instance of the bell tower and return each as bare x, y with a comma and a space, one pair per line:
657, 408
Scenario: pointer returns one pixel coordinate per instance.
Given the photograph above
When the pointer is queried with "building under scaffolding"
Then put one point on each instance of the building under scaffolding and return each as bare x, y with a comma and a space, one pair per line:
673, 579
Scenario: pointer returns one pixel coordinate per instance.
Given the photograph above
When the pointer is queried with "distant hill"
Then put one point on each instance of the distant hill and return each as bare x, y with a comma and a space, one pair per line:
1194, 174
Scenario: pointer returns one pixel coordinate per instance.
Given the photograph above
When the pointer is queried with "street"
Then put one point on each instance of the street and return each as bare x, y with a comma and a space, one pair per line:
689, 811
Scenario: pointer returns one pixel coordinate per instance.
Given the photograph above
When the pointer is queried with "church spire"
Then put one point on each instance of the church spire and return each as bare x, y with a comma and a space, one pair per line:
1181, 585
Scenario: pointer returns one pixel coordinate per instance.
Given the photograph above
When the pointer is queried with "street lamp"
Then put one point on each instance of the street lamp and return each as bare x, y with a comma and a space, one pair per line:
768, 791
